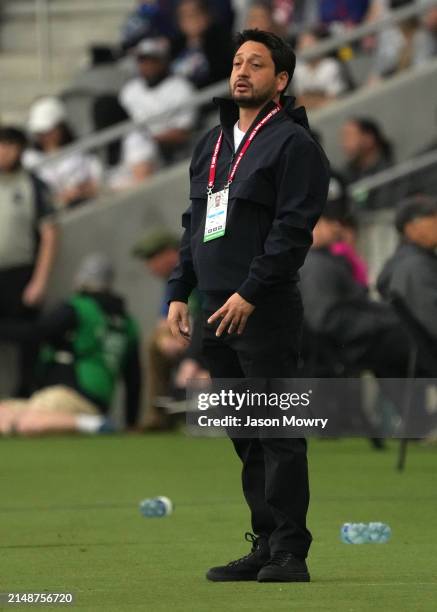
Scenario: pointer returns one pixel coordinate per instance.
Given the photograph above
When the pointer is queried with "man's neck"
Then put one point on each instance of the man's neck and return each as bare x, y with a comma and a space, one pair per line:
248, 115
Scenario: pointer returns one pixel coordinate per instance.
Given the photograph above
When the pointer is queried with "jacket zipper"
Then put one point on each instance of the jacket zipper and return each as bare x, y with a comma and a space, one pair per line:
230, 166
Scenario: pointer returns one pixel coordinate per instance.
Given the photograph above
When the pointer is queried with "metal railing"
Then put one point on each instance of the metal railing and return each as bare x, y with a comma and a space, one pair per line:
396, 173
69, 7
110, 134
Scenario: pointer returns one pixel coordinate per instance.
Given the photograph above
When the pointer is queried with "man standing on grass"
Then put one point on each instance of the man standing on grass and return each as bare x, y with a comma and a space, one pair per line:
258, 185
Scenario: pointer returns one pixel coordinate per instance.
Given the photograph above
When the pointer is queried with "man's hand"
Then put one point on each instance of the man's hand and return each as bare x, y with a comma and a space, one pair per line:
179, 321
234, 314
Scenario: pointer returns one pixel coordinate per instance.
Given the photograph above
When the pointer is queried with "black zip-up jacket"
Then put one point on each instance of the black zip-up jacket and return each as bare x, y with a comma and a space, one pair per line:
275, 200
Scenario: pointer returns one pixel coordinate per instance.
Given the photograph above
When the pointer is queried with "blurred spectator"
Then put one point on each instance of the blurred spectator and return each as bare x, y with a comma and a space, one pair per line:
320, 80
407, 44
73, 179
222, 11
346, 246
131, 160
412, 270
195, 50
259, 16
306, 13
263, 15
368, 152
154, 18
28, 243
338, 308
427, 40
170, 363
347, 12
88, 343
155, 91
150, 18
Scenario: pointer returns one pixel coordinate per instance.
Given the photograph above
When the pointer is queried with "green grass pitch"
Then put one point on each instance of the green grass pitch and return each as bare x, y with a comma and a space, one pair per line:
69, 521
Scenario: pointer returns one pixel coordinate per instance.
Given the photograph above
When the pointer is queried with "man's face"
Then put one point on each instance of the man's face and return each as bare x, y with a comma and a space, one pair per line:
352, 140
306, 41
193, 20
326, 233
10, 155
430, 19
423, 231
253, 80
151, 68
49, 140
162, 264
260, 18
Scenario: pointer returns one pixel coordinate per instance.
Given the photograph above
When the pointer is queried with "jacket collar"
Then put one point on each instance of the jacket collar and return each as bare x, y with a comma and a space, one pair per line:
229, 114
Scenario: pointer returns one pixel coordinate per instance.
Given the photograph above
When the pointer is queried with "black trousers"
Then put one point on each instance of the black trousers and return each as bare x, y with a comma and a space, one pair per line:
275, 470
13, 281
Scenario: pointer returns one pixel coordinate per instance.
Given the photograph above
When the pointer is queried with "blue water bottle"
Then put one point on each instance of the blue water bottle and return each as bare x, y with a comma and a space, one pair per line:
156, 507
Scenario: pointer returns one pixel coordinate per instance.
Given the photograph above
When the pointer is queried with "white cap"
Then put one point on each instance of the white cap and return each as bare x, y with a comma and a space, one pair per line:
153, 47
45, 114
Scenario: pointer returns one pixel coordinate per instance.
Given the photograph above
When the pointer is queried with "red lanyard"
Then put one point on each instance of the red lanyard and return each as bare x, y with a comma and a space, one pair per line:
254, 132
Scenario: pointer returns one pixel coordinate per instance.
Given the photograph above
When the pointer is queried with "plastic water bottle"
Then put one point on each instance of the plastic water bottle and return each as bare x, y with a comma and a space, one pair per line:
379, 533
156, 507
364, 533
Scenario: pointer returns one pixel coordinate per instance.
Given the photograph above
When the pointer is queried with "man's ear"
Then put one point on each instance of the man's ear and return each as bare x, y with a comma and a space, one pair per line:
282, 81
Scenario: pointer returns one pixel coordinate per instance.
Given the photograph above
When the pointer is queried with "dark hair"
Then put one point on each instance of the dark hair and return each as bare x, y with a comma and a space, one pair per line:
349, 221
13, 135
336, 210
368, 126
416, 207
282, 54
202, 5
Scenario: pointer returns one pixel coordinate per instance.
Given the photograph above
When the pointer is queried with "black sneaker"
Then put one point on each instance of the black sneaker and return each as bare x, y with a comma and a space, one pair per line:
284, 567
247, 567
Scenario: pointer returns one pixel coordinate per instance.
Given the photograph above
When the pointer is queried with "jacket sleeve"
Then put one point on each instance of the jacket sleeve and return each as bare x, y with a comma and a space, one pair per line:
183, 278
302, 181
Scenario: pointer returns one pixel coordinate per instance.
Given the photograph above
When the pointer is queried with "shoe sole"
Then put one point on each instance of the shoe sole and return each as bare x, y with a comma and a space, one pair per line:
229, 579
295, 578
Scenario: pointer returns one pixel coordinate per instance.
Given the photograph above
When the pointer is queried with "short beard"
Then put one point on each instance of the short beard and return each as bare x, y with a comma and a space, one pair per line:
255, 101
